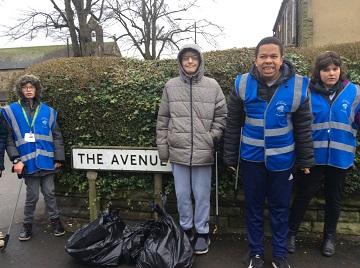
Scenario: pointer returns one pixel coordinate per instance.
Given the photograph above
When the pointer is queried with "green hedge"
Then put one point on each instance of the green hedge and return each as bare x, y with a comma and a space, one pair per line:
114, 102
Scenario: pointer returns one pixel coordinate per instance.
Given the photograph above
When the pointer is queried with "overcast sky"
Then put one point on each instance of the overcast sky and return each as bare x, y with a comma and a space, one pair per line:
245, 22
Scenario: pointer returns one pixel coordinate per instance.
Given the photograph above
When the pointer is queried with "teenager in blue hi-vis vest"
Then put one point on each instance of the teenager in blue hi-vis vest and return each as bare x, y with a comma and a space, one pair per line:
335, 103
35, 143
269, 123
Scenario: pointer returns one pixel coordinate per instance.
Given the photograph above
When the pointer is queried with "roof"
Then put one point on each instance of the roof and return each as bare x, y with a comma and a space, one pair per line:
24, 57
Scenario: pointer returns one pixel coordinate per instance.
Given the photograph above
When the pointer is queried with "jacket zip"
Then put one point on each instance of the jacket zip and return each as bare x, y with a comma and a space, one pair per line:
191, 123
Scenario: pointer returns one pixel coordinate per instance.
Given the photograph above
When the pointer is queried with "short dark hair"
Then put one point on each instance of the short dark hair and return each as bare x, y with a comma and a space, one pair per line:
267, 41
323, 61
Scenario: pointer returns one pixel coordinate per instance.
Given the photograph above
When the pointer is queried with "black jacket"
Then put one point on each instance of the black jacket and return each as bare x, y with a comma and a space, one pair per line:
302, 119
3, 140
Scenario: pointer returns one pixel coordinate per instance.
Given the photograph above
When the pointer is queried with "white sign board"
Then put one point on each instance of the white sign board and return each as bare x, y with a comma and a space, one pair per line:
118, 159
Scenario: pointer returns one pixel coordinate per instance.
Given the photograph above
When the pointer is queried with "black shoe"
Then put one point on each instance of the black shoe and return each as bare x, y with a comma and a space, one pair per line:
291, 243
328, 246
58, 228
25, 232
189, 234
257, 261
280, 262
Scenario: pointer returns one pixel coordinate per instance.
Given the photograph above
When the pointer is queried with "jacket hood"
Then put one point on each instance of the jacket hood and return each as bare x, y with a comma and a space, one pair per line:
200, 71
28, 78
287, 71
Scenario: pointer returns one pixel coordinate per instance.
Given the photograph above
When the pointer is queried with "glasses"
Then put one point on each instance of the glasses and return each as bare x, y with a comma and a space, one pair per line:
28, 88
193, 57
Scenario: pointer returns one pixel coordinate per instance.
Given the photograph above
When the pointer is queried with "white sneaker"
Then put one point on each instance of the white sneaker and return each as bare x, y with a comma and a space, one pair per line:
1, 240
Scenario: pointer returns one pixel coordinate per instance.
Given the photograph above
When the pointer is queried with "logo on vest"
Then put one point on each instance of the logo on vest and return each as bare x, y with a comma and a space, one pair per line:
344, 105
44, 122
280, 108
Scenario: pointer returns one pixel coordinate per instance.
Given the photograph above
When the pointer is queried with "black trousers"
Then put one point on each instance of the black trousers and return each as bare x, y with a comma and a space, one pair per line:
334, 181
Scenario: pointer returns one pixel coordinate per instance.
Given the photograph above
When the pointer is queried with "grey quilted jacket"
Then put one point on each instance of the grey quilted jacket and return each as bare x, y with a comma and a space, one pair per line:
192, 115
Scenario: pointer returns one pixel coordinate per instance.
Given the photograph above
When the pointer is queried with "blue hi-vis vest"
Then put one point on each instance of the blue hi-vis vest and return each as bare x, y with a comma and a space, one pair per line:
39, 154
333, 128
267, 135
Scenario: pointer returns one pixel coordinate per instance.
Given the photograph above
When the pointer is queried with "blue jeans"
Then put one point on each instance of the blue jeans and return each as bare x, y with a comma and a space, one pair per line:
197, 180
275, 186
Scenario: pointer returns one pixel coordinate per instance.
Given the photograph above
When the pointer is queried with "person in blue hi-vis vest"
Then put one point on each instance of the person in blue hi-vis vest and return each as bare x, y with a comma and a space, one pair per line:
35, 145
335, 104
268, 129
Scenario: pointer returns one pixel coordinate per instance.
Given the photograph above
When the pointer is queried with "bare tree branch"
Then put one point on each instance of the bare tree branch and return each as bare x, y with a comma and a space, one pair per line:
150, 26
68, 18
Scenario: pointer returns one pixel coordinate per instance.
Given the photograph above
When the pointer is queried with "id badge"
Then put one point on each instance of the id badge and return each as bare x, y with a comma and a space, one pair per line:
30, 137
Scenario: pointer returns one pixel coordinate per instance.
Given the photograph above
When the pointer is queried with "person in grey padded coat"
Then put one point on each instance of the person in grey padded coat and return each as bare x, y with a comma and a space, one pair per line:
191, 119
36, 144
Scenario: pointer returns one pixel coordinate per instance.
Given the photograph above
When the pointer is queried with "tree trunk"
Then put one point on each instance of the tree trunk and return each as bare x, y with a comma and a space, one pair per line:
72, 29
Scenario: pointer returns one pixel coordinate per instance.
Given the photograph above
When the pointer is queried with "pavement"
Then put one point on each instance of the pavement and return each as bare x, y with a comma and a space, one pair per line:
45, 250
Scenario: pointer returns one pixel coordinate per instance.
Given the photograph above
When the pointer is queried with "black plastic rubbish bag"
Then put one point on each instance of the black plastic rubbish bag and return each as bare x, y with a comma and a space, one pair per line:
98, 243
134, 239
167, 246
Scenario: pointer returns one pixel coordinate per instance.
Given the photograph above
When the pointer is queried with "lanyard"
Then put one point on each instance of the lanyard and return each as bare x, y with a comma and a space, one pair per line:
26, 116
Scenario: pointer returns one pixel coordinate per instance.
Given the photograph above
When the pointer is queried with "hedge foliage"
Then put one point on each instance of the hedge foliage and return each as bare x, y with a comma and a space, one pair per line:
114, 102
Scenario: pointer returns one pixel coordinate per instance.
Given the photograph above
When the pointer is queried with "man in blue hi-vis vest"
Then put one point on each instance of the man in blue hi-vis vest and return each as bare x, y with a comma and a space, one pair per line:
269, 123
36, 144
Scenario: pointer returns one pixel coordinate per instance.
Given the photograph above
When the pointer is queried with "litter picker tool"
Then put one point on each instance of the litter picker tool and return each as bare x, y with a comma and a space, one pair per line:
236, 182
237, 172
7, 236
216, 189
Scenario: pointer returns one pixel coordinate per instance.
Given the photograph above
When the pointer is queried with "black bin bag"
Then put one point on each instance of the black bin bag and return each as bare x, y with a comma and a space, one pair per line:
134, 239
167, 246
98, 243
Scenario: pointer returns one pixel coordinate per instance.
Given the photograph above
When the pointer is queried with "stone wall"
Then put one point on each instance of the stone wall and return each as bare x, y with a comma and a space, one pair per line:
5, 76
75, 208
306, 24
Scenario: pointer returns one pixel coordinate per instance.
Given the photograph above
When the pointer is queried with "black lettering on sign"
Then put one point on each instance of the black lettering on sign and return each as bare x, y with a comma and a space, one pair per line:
90, 159
142, 160
152, 162
99, 159
81, 158
114, 160
93, 159
124, 160
133, 160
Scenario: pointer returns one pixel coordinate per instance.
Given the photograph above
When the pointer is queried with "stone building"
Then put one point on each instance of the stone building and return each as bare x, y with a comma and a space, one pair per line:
309, 23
